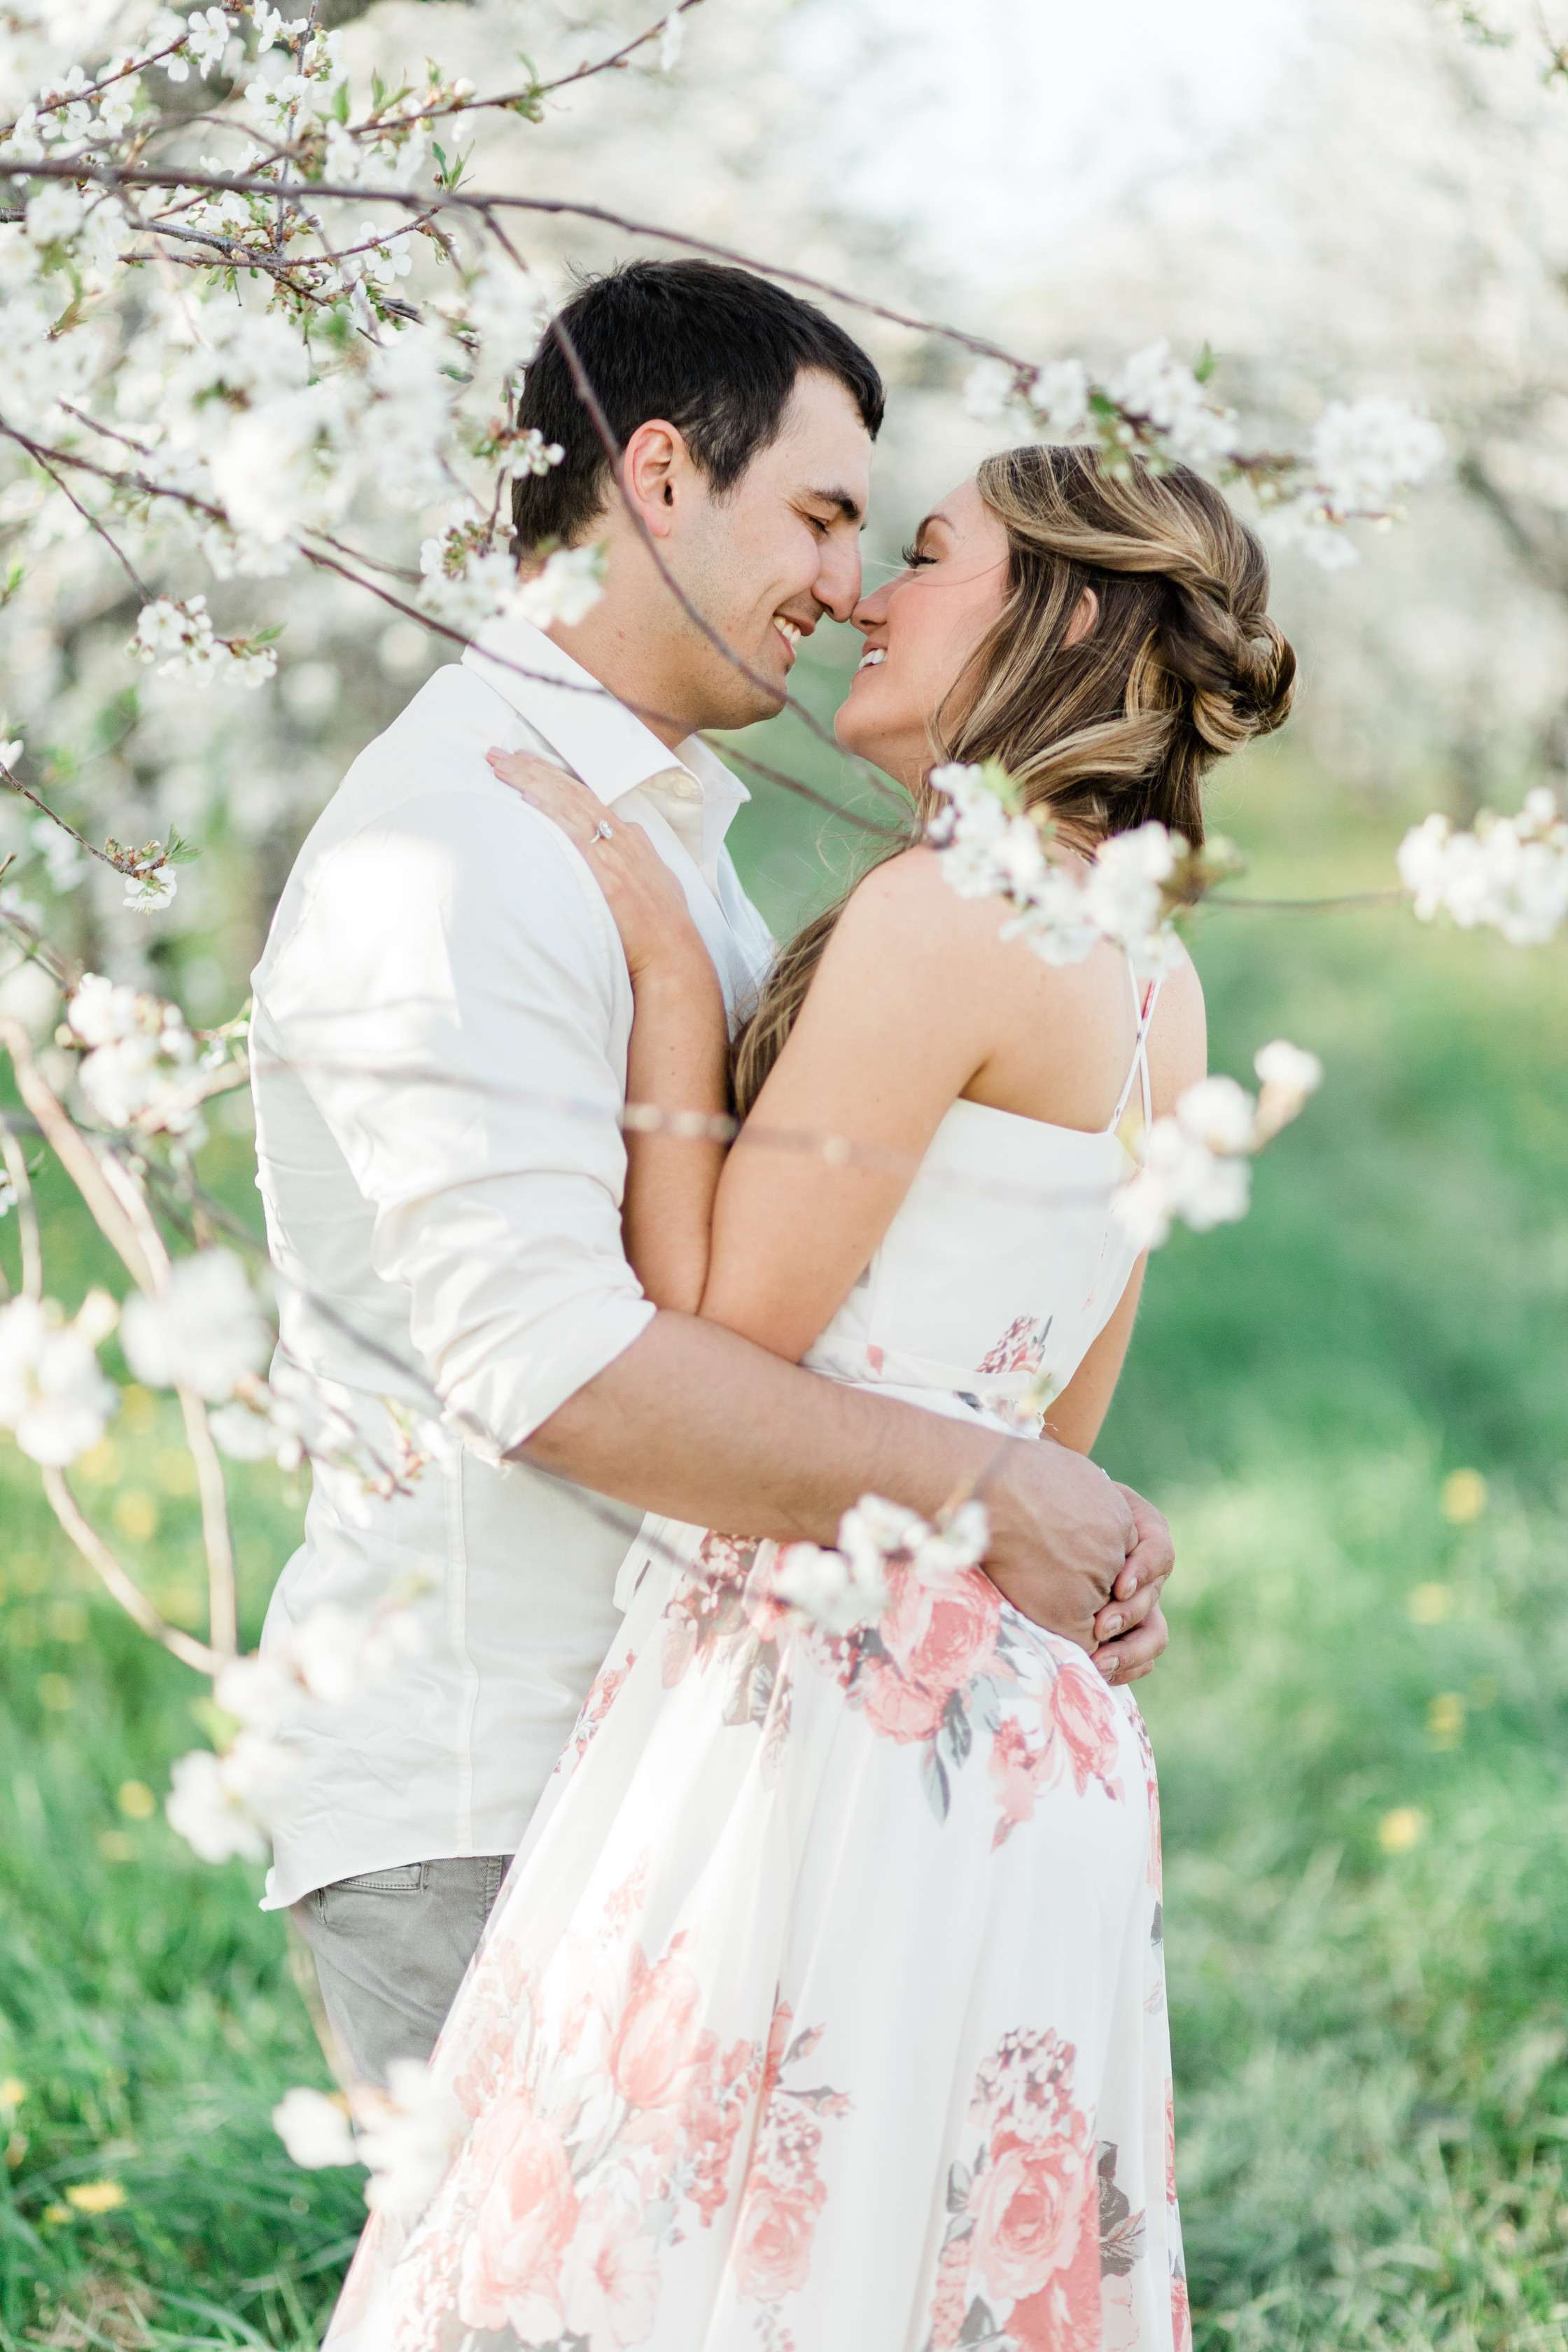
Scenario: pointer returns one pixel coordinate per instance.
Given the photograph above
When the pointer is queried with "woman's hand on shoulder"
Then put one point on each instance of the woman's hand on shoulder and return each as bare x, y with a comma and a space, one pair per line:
645, 901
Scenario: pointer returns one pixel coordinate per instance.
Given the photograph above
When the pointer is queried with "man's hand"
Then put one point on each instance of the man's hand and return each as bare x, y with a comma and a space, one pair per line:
1079, 1555
1062, 1536
1130, 1628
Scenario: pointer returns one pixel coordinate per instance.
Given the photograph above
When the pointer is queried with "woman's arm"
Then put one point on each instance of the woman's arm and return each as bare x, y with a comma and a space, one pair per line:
902, 1012
677, 1059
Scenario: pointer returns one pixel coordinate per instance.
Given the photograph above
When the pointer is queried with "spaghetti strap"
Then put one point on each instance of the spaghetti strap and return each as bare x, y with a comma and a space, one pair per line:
1144, 1011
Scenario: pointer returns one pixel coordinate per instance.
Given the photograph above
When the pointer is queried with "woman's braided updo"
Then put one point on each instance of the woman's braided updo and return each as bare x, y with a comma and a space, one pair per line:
1182, 665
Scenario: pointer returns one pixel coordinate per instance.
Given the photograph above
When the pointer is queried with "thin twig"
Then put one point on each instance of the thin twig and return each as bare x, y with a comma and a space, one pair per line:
1300, 905
15, 1160
124, 1587
75, 1154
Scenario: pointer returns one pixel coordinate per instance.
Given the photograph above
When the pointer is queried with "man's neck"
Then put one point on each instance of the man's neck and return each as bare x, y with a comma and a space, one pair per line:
626, 657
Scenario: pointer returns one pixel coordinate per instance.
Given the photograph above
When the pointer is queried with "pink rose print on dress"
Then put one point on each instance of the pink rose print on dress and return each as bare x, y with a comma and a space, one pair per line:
1019, 1768
783, 2194
1035, 2217
1021, 1347
609, 2274
1086, 1717
658, 2027
512, 2263
597, 1705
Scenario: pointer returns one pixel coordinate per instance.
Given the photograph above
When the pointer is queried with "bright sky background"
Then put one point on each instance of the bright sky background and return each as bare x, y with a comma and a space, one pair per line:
1002, 126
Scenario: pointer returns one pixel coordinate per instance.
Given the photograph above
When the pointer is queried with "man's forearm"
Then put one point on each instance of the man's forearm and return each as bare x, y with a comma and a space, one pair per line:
699, 1425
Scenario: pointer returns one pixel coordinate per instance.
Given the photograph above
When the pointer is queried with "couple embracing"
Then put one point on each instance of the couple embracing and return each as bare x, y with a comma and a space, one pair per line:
798, 1981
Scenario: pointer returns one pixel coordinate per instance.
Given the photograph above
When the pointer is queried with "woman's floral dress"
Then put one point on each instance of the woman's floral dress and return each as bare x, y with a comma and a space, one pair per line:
824, 2009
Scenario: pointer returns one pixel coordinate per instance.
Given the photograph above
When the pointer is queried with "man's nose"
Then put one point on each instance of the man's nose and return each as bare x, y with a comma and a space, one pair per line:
837, 583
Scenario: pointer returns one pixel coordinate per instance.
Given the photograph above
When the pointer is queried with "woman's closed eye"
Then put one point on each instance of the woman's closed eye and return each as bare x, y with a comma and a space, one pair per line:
915, 556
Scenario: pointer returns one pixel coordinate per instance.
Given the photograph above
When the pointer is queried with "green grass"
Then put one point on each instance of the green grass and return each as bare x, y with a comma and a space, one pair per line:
1373, 2098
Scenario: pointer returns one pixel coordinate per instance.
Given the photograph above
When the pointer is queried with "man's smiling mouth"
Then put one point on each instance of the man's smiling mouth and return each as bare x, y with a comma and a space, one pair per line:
790, 631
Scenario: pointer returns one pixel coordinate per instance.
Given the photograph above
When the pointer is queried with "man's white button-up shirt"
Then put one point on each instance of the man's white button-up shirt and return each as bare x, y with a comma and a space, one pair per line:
439, 1049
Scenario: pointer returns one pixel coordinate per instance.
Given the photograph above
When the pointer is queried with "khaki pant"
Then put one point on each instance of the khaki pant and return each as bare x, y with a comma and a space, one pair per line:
391, 1949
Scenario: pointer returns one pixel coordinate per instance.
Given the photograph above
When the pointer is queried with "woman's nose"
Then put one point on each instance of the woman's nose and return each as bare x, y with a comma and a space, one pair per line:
871, 611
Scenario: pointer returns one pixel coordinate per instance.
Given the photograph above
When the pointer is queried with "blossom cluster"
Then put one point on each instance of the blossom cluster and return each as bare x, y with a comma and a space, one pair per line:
230, 1804
839, 1588
1363, 453
144, 1069
53, 1397
404, 2136
991, 845
1510, 873
1195, 1165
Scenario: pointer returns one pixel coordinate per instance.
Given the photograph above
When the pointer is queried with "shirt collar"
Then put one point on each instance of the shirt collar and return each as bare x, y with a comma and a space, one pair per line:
606, 743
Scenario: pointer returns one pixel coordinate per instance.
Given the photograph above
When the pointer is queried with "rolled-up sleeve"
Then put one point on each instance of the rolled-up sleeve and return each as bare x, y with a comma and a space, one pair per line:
456, 1002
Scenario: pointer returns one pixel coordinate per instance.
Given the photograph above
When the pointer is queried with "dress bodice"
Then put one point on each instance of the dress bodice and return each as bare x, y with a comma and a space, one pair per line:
1003, 1262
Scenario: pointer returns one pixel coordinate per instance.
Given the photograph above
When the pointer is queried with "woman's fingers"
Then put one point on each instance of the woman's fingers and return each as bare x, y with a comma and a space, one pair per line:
1131, 1657
550, 789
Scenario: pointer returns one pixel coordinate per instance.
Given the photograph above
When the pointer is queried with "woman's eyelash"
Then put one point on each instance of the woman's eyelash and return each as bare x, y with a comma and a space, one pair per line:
912, 556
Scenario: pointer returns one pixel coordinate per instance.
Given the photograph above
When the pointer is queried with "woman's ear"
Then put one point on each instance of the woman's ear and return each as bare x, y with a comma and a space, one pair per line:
1085, 612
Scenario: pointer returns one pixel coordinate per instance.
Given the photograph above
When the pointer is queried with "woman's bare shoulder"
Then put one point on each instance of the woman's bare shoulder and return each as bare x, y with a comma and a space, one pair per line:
1178, 1034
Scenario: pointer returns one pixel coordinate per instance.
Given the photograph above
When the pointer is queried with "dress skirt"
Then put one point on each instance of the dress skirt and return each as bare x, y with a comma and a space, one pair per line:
823, 2008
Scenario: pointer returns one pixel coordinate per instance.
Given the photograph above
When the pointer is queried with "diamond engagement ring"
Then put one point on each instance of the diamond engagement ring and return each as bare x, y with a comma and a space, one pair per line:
603, 832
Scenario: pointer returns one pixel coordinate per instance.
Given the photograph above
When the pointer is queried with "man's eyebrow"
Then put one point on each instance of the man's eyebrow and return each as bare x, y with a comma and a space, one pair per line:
848, 506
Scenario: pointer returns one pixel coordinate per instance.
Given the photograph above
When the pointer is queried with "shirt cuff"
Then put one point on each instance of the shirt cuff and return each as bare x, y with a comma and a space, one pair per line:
519, 1385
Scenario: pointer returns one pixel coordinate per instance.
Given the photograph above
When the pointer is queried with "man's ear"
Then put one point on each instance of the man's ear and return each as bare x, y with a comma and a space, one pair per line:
655, 467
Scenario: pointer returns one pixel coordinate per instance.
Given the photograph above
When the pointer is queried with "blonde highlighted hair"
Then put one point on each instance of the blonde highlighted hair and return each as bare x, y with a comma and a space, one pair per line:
1182, 665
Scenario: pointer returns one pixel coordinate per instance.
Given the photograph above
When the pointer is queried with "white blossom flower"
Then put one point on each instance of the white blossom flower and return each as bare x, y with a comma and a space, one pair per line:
1059, 396
53, 1397
64, 859
179, 637
1180, 1177
204, 1331
830, 1589
1364, 451
1510, 873
407, 2134
531, 453
570, 585
509, 309
147, 891
333, 1654
991, 849
671, 41
11, 753
1288, 1068
989, 390
314, 2128
209, 32
226, 1805
259, 1430
54, 214
143, 1071
9, 1196
1157, 389
1218, 1114
102, 1012
840, 1589
1122, 893
465, 584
